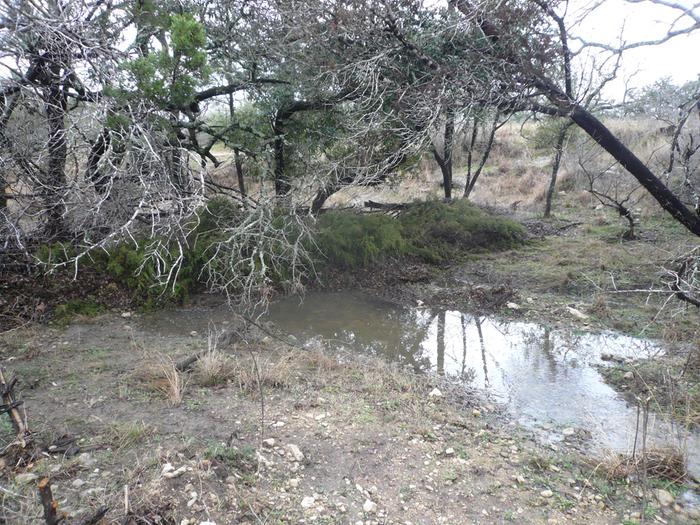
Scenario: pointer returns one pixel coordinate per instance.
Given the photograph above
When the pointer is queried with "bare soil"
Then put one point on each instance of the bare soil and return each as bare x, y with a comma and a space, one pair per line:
284, 435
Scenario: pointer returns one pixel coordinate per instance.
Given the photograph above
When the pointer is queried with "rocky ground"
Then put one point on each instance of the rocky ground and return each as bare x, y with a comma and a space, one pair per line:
261, 431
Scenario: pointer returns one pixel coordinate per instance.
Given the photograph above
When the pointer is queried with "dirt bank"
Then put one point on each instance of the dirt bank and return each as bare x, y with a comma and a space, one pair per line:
333, 439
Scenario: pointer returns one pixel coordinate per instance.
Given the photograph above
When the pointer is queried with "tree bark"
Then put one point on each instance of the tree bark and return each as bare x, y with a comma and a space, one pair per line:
282, 185
558, 152
55, 106
610, 143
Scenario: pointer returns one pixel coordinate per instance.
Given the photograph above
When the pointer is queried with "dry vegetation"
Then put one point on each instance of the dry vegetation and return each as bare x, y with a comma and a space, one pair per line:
424, 458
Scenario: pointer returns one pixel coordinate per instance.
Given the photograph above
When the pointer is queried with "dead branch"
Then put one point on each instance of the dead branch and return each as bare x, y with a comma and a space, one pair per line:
11, 405
49, 504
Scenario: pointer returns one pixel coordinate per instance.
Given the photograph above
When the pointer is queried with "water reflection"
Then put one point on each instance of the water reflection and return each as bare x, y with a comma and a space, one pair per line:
544, 376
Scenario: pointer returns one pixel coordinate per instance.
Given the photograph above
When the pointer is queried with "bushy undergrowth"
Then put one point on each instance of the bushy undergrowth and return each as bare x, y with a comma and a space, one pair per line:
353, 240
433, 231
130, 265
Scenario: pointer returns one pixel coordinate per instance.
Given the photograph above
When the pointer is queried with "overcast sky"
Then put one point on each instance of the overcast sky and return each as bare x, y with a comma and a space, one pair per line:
678, 58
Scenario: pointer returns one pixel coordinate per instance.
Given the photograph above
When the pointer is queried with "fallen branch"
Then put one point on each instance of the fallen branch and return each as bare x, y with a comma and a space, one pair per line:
224, 339
49, 504
92, 520
372, 205
11, 405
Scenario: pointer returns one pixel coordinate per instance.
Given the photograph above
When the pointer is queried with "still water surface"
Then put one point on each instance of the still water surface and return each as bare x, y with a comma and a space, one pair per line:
546, 378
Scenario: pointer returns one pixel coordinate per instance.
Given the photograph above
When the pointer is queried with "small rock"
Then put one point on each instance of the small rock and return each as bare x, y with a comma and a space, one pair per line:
194, 333
578, 314
476, 412
78, 483
513, 306
628, 375
308, 502
126, 315
269, 443
664, 497
170, 472
295, 451
369, 506
435, 392
569, 431
86, 460
26, 477
520, 479
547, 493
449, 451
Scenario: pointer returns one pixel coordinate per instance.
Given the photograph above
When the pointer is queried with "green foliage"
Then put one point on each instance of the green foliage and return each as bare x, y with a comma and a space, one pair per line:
170, 76
87, 307
544, 136
432, 231
439, 232
242, 459
351, 240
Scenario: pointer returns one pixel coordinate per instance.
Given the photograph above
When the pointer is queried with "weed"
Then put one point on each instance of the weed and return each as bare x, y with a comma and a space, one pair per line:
241, 459
213, 367
126, 435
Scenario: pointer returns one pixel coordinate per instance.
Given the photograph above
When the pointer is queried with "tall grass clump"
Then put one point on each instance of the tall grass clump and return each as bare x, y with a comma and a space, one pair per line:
431, 231
439, 231
351, 240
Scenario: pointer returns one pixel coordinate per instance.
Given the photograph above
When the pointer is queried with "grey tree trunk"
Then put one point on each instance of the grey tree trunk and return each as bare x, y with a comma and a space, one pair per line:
441, 343
55, 183
558, 152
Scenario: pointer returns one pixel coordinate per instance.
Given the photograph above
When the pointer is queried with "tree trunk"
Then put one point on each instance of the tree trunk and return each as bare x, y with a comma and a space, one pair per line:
55, 105
282, 186
237, 153
446, 174
472, 178
322, 196
97, 151
441, 344
8, 106
3, 192
668, 201
448, 141
239, 173
558, 152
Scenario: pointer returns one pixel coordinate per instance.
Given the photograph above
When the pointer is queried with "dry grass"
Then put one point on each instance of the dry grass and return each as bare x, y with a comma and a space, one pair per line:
162, 376
213, 367
256, 374
667, 463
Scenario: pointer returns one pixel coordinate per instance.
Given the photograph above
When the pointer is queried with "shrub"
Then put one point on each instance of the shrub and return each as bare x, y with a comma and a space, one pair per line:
432, 231
351, 240
439, 231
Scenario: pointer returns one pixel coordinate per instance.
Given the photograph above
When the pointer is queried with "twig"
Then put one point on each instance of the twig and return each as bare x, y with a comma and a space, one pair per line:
49, 504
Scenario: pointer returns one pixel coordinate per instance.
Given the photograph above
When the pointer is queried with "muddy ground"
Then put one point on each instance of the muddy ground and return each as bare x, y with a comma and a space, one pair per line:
266, 432
333, 438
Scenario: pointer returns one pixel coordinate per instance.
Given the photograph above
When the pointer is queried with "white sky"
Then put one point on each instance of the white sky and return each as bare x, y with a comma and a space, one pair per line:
678, 58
